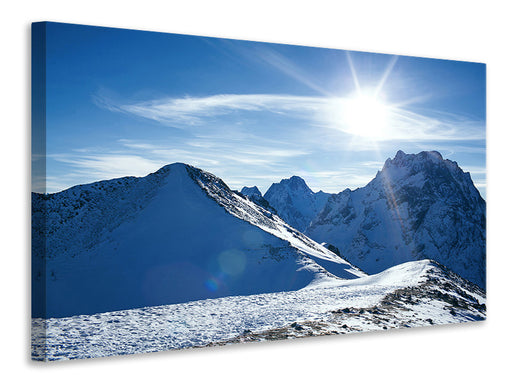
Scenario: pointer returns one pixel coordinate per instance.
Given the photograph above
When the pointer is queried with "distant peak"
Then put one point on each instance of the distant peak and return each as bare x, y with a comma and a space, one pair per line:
294, 180
399, 154
427, 162
430, 155
423, 154
173, 166
251, 191
402, 159
295, 183
436, 154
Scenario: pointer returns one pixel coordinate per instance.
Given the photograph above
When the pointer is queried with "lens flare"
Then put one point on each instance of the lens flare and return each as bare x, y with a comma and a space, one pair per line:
232, 262
211, 284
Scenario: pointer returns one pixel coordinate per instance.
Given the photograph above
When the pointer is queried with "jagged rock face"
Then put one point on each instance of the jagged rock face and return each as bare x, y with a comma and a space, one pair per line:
251, 192
295, 202
254, 194
419, 206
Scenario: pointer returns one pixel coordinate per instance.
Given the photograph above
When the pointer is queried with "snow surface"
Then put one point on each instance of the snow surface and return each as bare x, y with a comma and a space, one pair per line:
207, 322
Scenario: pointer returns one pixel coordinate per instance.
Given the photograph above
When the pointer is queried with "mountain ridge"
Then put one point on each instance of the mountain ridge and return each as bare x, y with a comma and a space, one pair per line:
418, 206
176, 235
425, 206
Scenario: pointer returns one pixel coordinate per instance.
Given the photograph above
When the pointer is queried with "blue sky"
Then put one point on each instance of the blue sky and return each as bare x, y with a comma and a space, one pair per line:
122, 102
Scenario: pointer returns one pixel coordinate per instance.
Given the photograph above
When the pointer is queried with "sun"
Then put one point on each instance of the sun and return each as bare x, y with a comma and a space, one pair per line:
366, 115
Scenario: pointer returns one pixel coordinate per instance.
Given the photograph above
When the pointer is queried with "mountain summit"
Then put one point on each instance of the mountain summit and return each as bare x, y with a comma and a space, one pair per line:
295, 202
251, 192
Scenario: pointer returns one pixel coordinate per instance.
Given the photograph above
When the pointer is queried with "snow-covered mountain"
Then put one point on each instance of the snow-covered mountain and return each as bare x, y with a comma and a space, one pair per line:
413, 294
295, 202
419, 206
254, 194
177, 235
251, 192
177, 259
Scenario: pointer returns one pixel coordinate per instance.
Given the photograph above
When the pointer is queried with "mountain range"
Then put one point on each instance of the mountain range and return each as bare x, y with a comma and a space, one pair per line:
177, 259
419, 206
181, 234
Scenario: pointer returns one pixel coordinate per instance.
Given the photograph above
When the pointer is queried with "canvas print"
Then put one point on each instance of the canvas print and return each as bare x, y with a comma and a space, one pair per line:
190, 191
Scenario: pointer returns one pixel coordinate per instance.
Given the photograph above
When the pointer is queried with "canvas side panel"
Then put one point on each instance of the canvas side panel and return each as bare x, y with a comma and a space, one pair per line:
485, 230
38, 180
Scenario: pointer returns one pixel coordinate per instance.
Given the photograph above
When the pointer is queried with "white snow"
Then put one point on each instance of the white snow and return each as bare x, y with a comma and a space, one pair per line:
198, 323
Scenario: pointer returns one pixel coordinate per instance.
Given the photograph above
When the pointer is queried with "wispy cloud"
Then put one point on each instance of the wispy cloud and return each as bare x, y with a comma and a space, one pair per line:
312, 111
195, 110
126, 157
89, 166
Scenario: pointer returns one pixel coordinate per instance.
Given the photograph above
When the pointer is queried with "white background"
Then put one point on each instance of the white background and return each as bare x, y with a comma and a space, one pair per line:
463, 30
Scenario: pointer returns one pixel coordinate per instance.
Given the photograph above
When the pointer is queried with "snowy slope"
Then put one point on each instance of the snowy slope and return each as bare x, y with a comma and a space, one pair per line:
177, 235
295, 202
418, 207
413, 294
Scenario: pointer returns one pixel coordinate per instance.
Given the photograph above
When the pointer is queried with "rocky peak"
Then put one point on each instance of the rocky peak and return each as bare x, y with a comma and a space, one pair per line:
295, 183
251, 192
295, 202
418, 206
422, 161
